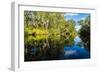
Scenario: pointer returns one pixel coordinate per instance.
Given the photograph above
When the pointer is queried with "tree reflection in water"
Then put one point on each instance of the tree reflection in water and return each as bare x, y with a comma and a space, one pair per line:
53, 48
46, 48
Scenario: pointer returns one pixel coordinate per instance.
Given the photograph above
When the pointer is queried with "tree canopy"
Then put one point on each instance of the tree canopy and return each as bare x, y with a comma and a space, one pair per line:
85, 32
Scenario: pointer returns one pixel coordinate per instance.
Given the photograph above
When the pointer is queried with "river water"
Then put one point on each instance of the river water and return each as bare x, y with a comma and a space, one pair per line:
76, 51
55, 48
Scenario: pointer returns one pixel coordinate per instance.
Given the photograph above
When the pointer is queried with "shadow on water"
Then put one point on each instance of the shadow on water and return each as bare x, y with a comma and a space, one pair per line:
54, 47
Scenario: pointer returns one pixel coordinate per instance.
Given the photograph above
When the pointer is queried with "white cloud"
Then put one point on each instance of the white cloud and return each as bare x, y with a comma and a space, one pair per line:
70, 52
71, 14
82, 18
77, 27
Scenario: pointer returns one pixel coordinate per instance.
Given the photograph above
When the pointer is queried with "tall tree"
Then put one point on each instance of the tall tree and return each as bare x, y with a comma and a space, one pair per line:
85, 32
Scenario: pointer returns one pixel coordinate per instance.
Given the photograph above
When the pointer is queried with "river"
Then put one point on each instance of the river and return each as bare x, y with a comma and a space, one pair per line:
76, 51
54, 48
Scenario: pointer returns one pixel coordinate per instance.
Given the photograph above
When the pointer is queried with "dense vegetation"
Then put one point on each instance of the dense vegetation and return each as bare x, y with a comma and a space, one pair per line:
85, 32
46, 34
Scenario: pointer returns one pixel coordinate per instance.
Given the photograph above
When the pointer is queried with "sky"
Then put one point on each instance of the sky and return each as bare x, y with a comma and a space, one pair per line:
76, 17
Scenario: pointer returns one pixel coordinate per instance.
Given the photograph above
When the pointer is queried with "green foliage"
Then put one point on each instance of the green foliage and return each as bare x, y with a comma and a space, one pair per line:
46, 33
85, 32
81, 22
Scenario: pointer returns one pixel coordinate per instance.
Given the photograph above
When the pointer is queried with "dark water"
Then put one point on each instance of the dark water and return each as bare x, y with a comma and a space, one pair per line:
54, 48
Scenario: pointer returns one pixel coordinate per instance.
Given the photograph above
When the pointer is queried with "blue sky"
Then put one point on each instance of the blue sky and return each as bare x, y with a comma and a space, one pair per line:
76, 17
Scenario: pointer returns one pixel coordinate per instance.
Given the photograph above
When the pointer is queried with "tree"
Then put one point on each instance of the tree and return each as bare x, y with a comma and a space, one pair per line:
71, 30
47, 33
85, 33
81, 22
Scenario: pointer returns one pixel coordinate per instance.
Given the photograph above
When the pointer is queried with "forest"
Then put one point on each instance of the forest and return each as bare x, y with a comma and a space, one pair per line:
47, 33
